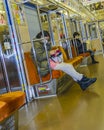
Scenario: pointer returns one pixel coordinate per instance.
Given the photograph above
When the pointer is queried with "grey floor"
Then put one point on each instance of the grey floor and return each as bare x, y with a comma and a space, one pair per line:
73, 110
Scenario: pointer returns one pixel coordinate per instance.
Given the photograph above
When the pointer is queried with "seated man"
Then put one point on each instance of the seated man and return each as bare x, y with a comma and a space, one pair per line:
82, 80
82, 47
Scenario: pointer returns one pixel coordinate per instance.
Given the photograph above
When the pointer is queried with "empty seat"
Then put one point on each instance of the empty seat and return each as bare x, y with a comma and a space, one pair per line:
74, 61
75, 52
10, 102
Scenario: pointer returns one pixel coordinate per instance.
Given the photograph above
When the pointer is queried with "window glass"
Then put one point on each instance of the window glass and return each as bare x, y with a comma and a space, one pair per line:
92, 31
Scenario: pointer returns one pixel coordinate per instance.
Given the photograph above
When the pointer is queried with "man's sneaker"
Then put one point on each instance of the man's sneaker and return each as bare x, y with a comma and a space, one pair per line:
84, 78
95, 62
86, 82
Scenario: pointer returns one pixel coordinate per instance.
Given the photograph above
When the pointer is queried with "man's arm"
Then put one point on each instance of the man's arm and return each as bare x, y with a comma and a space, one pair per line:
40, 52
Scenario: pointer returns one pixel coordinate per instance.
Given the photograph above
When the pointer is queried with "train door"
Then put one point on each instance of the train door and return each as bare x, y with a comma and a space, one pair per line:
10, 77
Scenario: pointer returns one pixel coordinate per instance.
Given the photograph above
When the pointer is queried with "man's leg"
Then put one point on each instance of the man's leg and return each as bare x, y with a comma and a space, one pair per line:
83, 81
69, 69
92, 56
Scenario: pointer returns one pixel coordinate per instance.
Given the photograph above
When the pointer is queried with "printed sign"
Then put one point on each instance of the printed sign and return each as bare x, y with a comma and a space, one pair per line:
7, 45
2, 19
19, 13
88, 2
97, 6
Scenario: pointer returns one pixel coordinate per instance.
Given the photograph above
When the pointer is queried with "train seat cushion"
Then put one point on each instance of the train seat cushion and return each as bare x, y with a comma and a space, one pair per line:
74, 52
75, 61
85, 54
10, 102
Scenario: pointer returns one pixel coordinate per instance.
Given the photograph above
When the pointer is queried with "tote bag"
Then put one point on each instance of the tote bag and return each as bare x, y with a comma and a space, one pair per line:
57, 57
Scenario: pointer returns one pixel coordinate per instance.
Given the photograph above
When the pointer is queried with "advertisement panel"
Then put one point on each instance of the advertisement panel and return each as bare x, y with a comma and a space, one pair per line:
88, 2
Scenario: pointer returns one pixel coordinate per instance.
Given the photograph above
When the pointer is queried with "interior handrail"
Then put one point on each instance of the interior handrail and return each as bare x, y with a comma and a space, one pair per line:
38, 68
26, 42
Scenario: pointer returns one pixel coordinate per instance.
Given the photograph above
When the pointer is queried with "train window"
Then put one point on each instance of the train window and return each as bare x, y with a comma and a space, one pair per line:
93, 31
83, 30
101, 26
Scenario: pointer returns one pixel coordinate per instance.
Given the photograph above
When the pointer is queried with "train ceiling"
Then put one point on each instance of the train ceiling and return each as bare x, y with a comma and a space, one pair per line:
87, 9
90, 10
95, 7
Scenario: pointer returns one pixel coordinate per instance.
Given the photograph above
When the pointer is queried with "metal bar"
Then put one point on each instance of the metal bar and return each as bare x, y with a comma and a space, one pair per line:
66, 35
45, 5
41, 97
36, 40
58, 30
42, 39
44, 46
51, 28
5, 70
22, 2
34, 53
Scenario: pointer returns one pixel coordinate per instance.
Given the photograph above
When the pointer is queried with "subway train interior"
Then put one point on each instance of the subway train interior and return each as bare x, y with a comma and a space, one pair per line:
57, 100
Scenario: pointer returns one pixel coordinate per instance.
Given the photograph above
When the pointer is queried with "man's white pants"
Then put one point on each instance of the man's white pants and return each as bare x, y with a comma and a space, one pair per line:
69, 69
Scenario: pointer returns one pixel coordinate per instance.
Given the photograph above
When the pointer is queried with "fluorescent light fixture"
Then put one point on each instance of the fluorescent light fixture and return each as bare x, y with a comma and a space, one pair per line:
2, 11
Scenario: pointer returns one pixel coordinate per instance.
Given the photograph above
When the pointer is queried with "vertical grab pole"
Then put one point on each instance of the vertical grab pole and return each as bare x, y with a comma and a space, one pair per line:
5, 70
51, 28
66, 35
34, 53
82, 31
44, 44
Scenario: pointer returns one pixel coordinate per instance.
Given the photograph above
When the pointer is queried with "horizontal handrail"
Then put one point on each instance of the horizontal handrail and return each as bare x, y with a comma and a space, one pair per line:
36, 40
26, 42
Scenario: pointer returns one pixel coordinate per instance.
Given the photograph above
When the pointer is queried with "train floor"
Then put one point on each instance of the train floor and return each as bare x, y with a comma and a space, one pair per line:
72, 110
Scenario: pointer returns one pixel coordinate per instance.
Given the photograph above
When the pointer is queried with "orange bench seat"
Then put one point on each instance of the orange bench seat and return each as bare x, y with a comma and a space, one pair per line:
74, 61
74, 52
85, 54
10, 102
33, 73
